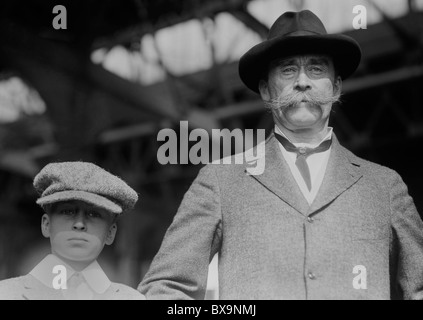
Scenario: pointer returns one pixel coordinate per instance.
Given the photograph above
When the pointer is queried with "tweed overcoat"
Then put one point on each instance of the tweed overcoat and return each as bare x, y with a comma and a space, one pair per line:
361, 238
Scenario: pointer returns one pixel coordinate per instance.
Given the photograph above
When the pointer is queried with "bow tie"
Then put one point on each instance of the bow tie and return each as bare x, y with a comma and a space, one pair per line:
302, 154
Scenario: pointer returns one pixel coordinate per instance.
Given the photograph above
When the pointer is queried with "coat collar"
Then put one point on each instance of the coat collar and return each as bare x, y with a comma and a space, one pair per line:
341, 173
38, 284
93, 274
33, 289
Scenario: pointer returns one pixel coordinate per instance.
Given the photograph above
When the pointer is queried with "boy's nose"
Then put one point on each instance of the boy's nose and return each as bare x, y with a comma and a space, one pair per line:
79, 223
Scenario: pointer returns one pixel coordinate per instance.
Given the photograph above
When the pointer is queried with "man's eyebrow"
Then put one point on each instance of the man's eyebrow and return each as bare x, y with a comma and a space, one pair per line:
293, 61
285, 62
323, 61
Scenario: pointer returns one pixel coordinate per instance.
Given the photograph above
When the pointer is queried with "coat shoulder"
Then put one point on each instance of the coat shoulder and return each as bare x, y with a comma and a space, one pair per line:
371, 168
11, 289
242, 162
124, 292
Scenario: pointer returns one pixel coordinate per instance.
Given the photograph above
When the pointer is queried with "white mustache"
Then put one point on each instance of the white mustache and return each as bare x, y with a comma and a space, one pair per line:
294, 98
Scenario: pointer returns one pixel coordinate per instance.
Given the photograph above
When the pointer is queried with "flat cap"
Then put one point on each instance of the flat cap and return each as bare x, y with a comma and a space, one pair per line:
84, 181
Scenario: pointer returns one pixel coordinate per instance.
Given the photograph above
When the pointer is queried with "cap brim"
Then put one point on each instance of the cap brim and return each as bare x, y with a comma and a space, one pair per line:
343, 49
88, 197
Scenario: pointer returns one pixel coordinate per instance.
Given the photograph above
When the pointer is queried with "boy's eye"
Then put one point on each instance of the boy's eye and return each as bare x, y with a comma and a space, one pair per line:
67, 212
94, 214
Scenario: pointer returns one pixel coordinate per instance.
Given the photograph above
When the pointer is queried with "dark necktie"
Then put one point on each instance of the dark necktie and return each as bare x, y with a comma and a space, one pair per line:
302, 154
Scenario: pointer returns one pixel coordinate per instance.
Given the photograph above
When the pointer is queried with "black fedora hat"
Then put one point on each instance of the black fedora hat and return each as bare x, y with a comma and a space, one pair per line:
296, 33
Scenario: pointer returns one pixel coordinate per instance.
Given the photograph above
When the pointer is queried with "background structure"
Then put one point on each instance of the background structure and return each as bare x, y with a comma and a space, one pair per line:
103, 88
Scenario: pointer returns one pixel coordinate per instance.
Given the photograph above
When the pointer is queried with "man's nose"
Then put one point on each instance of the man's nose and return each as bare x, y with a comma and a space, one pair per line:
79, 223
302, 82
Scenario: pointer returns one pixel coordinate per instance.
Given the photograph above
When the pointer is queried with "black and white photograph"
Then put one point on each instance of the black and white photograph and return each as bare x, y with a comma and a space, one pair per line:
214, 150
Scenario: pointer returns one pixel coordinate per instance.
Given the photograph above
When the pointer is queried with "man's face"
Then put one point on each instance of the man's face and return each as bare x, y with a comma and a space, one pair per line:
77, 230
301, 90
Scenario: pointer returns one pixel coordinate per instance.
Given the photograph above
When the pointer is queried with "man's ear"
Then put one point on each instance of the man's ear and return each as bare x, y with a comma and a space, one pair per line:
264, 90
111, 234
337, 86
45, 225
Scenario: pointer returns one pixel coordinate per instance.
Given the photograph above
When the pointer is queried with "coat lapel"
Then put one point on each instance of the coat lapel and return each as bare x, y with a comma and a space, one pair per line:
277, 177
341, 173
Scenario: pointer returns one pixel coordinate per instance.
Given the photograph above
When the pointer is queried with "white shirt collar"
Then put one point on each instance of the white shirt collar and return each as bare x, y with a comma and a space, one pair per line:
93, 274
317, 164
328, 136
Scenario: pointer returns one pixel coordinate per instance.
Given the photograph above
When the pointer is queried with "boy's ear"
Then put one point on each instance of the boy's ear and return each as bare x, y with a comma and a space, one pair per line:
45, 225
111, 234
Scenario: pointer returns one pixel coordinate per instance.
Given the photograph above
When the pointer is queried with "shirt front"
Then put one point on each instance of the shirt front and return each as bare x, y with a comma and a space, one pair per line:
317, 163
87, 284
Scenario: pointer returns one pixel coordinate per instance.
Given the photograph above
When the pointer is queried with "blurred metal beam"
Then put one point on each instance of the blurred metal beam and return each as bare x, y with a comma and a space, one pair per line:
350, 86
19, 162
251, 22
126, 133
20, 47
408, 39
206, 9
382, 79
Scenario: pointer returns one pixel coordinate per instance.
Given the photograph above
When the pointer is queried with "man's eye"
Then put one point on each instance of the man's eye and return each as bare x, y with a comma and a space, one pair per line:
289, 70
316, 69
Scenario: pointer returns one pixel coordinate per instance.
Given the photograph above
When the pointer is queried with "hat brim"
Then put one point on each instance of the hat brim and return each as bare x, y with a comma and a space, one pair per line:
88, 197
344, 50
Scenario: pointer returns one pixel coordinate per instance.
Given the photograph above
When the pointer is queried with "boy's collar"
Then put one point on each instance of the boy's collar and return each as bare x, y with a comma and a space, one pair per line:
93, 274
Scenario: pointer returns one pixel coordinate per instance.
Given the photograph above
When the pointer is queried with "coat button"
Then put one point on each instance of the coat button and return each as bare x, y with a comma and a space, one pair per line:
311, 276
310, 219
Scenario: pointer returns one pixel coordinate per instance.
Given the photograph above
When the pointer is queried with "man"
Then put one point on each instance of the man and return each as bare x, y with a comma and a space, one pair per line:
82, 203
319, 223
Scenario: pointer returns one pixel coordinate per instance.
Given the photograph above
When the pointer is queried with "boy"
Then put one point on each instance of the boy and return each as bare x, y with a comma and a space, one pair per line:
82, 203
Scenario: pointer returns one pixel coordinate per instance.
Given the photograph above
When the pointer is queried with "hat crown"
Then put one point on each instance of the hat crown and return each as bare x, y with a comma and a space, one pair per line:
303, 23
84, 177
298, 33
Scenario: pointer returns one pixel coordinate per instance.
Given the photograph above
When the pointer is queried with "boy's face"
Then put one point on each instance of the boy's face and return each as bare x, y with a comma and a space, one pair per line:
77, 230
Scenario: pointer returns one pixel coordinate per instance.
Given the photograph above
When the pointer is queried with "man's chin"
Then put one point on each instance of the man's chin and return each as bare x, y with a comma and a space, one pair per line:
303, 122
304, 119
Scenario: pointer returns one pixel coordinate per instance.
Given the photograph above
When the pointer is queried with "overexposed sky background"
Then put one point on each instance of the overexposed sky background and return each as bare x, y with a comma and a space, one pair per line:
187, 47
194, 45
17, 99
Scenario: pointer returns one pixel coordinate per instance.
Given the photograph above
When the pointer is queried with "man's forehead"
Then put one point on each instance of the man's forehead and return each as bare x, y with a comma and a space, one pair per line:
304, 59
